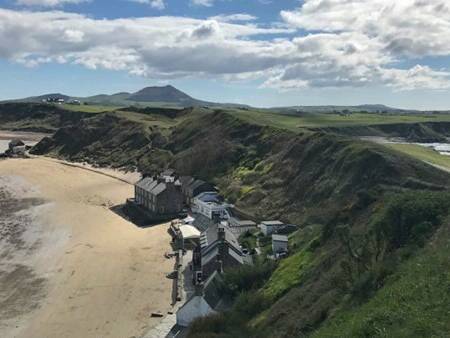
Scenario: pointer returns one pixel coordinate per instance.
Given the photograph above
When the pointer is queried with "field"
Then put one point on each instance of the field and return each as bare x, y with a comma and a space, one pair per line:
294, 123
423, 153
89, 108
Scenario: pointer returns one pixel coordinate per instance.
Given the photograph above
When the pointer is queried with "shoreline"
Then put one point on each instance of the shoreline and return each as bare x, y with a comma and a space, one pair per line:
107, 276
23, 135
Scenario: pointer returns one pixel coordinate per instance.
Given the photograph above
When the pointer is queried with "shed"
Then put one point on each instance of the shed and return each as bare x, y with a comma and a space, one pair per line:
279, 244
269, 227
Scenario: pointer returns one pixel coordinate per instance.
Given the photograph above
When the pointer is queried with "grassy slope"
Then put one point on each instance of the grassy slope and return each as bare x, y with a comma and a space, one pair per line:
415, 301
292, 122
422, 153
89, 108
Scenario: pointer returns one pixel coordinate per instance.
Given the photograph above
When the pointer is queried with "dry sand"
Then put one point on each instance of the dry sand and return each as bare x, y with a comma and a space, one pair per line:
70, 267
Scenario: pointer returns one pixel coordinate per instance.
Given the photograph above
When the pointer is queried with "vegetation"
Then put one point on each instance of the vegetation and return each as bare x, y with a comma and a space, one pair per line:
367, 215
423, 153
316, 120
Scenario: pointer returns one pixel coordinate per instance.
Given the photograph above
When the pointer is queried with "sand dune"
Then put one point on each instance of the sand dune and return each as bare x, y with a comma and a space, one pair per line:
89, 273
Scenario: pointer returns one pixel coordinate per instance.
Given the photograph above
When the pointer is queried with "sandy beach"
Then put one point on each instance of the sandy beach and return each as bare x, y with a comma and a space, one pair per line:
69, 266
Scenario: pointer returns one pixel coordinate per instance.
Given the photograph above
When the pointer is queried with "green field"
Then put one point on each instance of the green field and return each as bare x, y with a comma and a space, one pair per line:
422, 153
89, 108
316, 120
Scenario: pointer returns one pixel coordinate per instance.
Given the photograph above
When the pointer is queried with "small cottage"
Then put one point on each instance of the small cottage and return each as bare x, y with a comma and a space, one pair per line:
270, 227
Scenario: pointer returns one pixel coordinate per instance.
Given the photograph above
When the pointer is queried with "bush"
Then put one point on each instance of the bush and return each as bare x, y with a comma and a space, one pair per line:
246, 278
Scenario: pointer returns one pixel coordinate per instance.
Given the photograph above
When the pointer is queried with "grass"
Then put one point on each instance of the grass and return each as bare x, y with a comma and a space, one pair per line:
415, 301
89, 108
422, 153
316, 120
288, 274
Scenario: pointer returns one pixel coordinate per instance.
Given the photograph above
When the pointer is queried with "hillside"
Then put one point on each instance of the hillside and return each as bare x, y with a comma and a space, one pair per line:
367, 214
149, 96
37, 117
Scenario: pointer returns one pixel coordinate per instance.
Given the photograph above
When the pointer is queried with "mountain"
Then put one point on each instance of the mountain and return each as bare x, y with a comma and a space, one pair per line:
149, 96
163, 94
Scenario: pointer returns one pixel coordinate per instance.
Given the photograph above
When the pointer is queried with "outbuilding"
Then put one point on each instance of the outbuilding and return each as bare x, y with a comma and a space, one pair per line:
270, 227
279, 244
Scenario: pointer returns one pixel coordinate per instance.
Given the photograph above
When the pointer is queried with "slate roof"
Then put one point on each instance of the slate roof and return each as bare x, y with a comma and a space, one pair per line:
151, 185
168, 172
209, 196
211, 235
272, 223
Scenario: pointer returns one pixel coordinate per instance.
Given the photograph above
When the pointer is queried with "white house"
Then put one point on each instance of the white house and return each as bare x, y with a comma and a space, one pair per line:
270, 227
209, 204
279, 244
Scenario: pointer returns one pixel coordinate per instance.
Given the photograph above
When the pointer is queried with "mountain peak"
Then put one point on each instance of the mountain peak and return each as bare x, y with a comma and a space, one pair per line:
166, 93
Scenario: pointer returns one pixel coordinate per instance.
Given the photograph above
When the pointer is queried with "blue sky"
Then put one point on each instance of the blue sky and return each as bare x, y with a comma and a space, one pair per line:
258, 52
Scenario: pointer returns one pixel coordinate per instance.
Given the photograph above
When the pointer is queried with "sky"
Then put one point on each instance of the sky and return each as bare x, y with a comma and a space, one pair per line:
265, 53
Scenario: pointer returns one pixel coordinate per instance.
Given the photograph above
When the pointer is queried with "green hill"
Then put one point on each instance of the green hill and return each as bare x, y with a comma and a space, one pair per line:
369, 219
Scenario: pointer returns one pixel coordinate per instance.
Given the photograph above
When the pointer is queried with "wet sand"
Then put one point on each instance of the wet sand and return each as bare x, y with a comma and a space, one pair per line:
70, 267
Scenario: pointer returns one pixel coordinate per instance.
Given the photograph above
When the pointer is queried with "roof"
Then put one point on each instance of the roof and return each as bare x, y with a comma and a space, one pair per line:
189, 232
186, 180
209, 196
189, 219
211, 235
168, 172
272, 223
242, 223
158, 189
145, 183
280, 238
195, 184
151, 185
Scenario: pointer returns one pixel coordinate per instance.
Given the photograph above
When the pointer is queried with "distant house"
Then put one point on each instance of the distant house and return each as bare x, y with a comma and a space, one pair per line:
219, 250
160, 195
192, 187
238, 226
279, 244
209, 204
205, 301
270, 227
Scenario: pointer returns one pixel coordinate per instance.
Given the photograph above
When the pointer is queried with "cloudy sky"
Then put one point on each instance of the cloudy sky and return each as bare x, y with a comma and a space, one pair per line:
259, 52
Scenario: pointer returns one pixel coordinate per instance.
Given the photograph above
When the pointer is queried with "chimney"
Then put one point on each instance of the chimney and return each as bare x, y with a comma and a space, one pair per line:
216, 218
222, 249
199, 289
221, 233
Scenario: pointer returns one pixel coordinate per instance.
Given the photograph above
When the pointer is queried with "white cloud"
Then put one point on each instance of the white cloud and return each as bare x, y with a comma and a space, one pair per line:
47, 3
157, 4
207, 3
233, 17
348, 43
